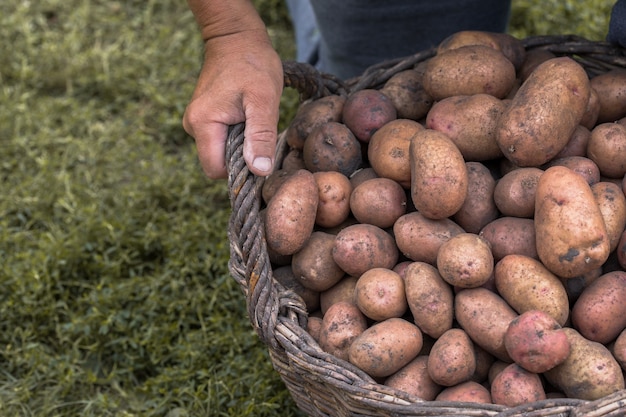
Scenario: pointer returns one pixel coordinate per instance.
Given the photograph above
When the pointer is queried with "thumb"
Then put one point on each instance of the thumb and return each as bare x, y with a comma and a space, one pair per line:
260, 135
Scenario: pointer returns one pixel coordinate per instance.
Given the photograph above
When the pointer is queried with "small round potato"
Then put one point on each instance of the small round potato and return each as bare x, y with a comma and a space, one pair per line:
341, 291
414, 379
514, 193
334, 190
611, 89
342, 323
379, 294
406, 92
379, 201
365, 111
515, 386
607, 148
465, 260
313, 265
312, 114
332, 147
470, 391
510, 235
612, 203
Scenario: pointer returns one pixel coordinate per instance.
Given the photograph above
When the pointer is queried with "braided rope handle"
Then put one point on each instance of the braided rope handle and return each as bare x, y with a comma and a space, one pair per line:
249, 261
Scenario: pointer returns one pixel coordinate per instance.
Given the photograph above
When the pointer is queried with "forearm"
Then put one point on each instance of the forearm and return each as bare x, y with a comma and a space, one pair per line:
218, 18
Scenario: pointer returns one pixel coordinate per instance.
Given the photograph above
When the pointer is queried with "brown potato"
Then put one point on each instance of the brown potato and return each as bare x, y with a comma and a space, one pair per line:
577, 144
341, 291
334, 190
388, 150
290, 214
293, 160
619, 349
465, 261
599, 314
485, 316
607, 148
581, 165
379, 294
312, 114
284, 275
536, 342
575, 286
470, 69
571, 237
361, 175
514, 193
510, 46
533, 58
621, 251
414, 379
360, 247
429, 298
406, 92
469, 391
379, 201
525, 284
452, 360
273, 182
313, 265
590, 118
419, 238
484, 360
439, 179
612, 203
314, 327
611, 89
510, 235
544, 112
479, 207
470, 121
365, 111
342, 323
590, 372
386, 347
332, 147
516, 386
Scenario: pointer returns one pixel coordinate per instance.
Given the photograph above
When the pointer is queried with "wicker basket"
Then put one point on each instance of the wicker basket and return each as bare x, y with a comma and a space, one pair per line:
321, 384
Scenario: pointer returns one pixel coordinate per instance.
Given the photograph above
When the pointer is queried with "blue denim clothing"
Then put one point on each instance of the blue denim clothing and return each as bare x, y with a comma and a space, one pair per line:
355, 34
617, 24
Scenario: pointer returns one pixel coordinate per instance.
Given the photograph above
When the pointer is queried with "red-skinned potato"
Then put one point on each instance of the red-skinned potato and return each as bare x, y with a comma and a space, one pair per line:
607, 148
365, 111
510, 235
516, 386
514, 193
469, 391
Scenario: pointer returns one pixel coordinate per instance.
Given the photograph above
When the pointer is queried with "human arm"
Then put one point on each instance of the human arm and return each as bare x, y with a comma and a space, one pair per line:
241, 80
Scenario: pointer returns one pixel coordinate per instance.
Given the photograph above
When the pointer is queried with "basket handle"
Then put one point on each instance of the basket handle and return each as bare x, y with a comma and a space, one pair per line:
249, 262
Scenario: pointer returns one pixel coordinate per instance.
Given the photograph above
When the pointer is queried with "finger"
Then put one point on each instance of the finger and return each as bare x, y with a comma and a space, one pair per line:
260, 134
211, 147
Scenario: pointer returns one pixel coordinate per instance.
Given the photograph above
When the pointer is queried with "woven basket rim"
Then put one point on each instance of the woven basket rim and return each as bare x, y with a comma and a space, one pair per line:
320, 383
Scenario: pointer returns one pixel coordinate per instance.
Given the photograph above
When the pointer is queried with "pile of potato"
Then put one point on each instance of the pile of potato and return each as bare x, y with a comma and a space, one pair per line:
459, 233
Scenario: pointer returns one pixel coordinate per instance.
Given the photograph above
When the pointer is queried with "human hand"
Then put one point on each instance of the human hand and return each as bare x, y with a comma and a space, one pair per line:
241, 81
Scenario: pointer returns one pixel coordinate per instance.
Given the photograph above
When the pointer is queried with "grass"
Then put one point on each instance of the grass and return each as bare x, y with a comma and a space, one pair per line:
115, 295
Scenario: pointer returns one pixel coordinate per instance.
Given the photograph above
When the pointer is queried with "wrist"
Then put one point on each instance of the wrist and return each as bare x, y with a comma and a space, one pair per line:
222, 18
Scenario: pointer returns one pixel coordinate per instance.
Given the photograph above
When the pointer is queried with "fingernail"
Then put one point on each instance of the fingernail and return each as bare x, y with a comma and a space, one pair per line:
263, 164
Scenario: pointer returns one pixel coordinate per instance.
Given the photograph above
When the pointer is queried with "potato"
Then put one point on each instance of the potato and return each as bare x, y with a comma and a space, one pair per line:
439, 179
379, 294
590, 118
470, 69
273, 182
452, 360
496, 367
571, 237
312, 114
341, 291
532, 59
379, 201
469, 391
284, 275
621, 251
485, 316
332, 147
293, 160
544, 113
479, 208
599, 314
361, 175
341, 325
313, 265
290, 214
516, 386
510, 46
590, 372
429, 298
611, 89
314, 327
612, 203
575, 286
386, 347
388, 150
510, 235
619, 349
607, 148
470, 121
525, 284
419, 238
334, 190
484, 360
581, 165
465, 261
536, 341
414, 379
365, 111
577, 143
406, 92
360, 247
514, 193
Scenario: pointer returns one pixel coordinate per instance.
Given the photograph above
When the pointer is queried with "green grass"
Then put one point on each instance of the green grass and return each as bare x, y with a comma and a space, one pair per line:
115, 295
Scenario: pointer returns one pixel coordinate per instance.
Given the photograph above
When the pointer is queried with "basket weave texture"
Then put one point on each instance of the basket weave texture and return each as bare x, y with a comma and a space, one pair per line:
321, 384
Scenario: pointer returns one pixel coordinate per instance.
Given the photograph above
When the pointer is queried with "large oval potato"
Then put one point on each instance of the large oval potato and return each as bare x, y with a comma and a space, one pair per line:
544, 112
469, 69
612, 203
313, 264
510, 46
429, 298
451, 360
571, 236
525, 284
342, 323
385, 347
590, 372
290, 214
334, 190
439, 179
